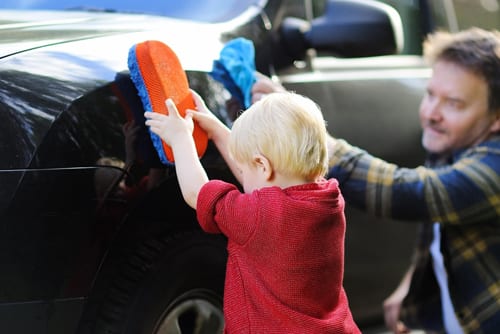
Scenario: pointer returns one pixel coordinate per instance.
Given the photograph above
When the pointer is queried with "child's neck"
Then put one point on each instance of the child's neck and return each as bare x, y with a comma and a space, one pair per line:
286, 181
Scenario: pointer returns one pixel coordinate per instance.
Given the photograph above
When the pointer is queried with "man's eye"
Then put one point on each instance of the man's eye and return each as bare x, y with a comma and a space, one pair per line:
456, 104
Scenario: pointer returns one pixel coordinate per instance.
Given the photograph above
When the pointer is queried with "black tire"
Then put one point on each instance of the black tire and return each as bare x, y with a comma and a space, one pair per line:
171, 286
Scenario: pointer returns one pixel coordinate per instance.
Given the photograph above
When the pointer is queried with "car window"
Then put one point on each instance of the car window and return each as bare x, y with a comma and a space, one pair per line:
421, 16
450, 15
462, 14
205, 11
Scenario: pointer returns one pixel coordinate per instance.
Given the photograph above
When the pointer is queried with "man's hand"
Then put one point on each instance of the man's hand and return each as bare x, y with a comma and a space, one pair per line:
392, 307
263, 86
393, 303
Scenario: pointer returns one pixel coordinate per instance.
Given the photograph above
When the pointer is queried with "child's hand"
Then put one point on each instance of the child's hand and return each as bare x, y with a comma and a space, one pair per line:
171, 127
204, 117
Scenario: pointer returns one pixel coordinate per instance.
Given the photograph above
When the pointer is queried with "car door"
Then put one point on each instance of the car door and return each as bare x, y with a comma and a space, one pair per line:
372, 102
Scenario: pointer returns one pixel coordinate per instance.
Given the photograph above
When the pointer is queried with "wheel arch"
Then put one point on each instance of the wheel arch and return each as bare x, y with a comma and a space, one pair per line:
158, 220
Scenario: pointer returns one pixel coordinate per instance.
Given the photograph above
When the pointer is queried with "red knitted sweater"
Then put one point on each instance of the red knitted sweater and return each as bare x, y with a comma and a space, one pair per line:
286, 257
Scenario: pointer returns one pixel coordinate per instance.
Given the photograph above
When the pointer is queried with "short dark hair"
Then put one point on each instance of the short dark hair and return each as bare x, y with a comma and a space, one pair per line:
474, 49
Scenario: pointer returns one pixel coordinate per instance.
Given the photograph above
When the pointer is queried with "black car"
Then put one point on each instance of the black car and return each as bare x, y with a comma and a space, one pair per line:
95, 236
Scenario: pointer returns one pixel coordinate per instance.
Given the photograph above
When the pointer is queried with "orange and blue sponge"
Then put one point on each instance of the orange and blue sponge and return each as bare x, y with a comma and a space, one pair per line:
158, 75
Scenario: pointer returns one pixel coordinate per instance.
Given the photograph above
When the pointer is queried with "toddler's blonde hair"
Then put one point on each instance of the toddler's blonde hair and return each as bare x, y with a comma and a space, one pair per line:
286, 128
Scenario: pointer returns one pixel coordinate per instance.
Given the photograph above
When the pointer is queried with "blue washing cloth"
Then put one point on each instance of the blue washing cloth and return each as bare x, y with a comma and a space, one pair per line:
235, 69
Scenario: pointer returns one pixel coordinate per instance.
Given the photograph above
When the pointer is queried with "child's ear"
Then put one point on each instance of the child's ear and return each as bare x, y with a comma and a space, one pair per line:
264, 166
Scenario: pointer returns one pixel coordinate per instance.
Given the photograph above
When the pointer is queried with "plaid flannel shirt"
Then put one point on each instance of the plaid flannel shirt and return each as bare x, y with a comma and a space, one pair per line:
464, 196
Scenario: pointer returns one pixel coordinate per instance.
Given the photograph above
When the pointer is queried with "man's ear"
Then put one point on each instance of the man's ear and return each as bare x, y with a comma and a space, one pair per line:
495, 126
264, 166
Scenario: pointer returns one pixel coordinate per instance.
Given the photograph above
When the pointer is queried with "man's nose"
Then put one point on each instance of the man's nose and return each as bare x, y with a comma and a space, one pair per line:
432, 109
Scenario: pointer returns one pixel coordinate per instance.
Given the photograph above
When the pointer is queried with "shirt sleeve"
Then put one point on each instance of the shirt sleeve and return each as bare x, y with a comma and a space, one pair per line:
463, 192
222, 208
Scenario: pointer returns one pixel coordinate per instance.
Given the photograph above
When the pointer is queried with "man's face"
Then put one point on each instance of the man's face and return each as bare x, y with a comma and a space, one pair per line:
454, 112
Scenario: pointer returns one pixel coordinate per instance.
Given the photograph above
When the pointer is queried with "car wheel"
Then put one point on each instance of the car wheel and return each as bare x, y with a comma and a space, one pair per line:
170, 287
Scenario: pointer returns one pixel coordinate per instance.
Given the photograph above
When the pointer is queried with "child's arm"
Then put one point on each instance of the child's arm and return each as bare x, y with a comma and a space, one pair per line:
177, 133
217, 131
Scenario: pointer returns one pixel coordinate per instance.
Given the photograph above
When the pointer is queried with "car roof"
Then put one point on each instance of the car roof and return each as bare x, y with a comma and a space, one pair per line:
203, 11
197, 44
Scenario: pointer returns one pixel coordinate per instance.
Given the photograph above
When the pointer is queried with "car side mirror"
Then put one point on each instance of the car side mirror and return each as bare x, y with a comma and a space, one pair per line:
348, 28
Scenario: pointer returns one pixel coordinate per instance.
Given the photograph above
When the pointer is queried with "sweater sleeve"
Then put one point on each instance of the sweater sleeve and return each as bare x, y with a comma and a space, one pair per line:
458, 193
222, 208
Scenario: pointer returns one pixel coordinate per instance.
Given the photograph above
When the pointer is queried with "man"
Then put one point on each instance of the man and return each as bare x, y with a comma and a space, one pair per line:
453, 284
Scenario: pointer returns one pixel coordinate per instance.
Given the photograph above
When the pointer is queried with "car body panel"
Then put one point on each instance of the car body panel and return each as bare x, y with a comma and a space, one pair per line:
66, 216
54, 239
378, 99
54, 28
210, 11
70, 239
